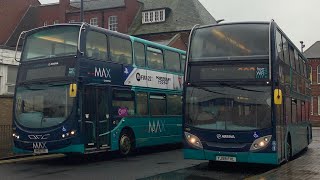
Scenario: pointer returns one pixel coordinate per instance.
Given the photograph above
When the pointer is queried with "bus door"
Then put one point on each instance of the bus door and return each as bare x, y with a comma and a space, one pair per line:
96, 117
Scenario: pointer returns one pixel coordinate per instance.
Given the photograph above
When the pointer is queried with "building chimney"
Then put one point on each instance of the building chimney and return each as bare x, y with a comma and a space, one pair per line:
63, 7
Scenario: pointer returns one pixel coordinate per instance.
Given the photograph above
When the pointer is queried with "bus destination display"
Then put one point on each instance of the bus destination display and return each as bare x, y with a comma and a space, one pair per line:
231, 72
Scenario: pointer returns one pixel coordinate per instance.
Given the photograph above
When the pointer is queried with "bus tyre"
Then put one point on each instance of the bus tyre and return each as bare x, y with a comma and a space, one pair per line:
125, 143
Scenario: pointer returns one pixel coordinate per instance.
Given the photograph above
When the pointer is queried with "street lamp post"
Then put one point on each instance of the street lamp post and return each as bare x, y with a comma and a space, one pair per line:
302, 46
81, 10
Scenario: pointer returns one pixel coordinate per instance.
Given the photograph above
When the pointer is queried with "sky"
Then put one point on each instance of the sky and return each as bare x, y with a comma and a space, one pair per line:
298, 19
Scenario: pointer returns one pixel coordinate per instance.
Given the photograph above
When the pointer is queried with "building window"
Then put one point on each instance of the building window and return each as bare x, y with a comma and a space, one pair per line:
11, 78
318, 74
56, 22
311, 111
318, 105
162, 16
94, 21
153, 16
45, 23
113, 23
310, 74
156, 16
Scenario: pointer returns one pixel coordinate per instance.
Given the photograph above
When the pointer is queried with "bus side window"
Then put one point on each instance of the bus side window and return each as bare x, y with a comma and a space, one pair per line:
120, 50
154, 58
157, 104
142, 103
96, 45
172, 61
123, 103
139, 54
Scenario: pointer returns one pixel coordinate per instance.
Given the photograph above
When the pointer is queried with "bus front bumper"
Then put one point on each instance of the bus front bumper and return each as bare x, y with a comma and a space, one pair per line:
244, 157
78, 148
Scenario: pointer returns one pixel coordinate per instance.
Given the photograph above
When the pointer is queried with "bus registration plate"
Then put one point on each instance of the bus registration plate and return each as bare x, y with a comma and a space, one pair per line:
40, 151
226, 158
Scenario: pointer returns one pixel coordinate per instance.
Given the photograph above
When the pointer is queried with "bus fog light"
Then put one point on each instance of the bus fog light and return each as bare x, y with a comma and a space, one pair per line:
63, 135
260, 143
193, 140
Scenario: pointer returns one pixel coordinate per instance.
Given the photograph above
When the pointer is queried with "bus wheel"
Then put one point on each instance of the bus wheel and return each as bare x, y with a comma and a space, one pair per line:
125, 143
289, 149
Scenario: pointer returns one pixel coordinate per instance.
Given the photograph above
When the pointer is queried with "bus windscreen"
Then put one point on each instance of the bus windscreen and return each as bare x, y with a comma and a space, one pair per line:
230, 41
48, 43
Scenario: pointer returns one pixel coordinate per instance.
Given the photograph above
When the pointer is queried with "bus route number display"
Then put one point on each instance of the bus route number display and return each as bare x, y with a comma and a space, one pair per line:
234, 72
46, 72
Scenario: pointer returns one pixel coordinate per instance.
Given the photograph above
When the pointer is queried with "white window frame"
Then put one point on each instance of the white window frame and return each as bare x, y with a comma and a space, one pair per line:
45, 23
56, 22
113, 23
72, 21
318, 73
153, 16
94, 21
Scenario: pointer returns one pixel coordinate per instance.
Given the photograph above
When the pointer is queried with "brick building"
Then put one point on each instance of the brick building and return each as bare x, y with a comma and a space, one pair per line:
179, 16
11, 12
168, 22
313, 55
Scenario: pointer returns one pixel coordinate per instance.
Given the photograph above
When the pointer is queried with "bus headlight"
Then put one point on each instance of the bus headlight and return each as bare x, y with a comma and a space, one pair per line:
193, 140
69, 134
15, 135
260, 143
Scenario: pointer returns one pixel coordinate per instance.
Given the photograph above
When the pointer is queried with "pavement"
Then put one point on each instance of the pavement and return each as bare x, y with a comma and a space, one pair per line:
305, 166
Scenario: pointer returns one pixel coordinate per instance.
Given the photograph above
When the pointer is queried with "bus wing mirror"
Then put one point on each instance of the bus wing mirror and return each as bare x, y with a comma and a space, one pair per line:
277, 96
73, 90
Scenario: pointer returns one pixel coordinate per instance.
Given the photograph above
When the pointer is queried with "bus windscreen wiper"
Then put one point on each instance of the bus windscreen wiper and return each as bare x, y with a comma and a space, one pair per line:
237, 87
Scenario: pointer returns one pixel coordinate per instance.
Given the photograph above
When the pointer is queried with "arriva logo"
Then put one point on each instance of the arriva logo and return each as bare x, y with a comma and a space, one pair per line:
157, 126
225, 136
102, 72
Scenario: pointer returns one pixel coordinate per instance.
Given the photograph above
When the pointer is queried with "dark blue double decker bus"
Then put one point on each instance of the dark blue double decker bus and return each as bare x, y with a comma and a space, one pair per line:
247, 95
85, 89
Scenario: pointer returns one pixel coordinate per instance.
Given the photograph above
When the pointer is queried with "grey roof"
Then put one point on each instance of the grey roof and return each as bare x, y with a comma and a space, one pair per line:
182, 15
27, 22
313, 51
98, 4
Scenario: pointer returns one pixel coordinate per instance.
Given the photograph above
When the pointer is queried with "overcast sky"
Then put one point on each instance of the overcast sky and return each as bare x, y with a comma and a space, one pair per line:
298, 19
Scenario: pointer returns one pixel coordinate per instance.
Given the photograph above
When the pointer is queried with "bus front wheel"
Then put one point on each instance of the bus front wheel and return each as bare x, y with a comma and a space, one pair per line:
126, 143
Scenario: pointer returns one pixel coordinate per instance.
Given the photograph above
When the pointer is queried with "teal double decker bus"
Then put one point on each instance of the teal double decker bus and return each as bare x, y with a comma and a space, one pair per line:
247, 95
85, 89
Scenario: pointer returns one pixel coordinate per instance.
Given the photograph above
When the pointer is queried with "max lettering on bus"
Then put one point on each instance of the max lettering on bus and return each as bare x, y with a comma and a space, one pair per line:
39, 145
102, 72
157, 126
